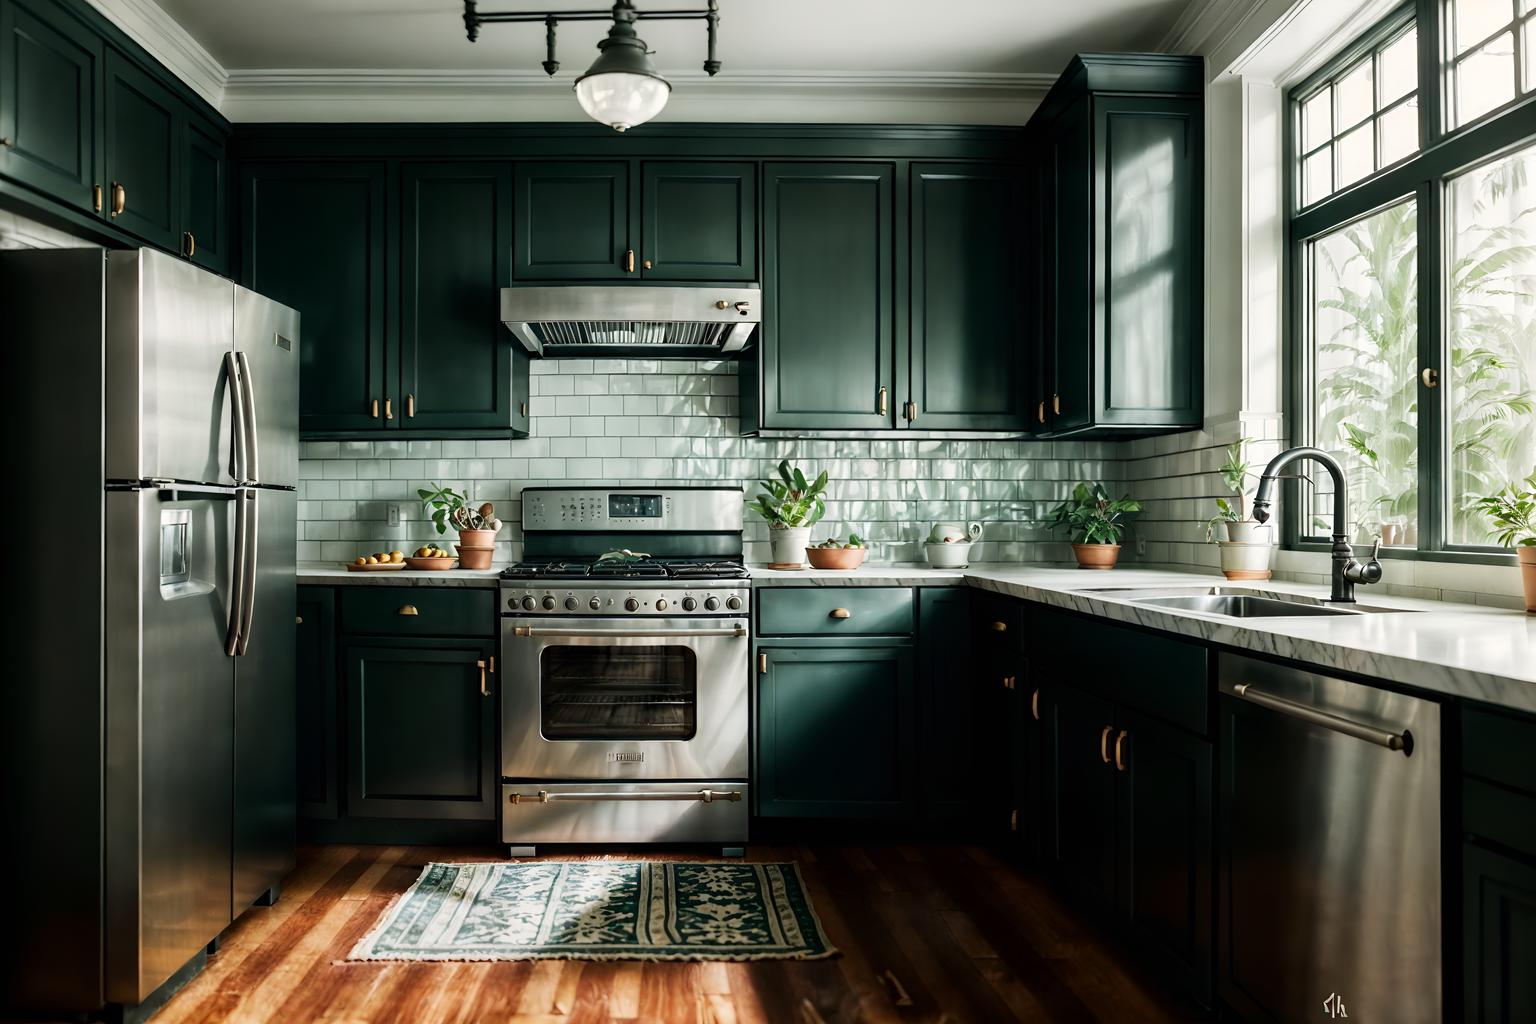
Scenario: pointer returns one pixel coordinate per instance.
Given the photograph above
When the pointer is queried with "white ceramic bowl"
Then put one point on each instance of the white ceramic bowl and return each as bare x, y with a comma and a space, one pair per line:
956, 555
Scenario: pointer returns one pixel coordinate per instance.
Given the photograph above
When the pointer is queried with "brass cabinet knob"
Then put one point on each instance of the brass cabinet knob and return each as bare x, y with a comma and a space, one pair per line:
841, 613
5, 140
298, 620
1430, 377
1001, 627
408, 609
646, 264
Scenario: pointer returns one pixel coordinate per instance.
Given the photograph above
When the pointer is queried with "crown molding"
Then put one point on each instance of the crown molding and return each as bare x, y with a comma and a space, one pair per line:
146, 23
1207, 26
373, 94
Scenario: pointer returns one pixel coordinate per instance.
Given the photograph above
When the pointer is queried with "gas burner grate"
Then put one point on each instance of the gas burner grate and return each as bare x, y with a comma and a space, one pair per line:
628, 570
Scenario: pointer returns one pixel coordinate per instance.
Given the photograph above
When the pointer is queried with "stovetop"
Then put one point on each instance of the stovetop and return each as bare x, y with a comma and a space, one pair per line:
639, 567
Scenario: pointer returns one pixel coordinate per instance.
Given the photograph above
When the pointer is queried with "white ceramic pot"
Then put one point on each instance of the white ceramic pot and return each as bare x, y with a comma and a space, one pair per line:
1245, 561
788, 544
955, 555
1248, 532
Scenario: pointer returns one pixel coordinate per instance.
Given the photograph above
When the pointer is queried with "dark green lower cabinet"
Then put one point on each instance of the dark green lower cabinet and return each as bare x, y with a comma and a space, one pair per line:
318, 771
1498, 936
1082, 738
421, 729
964, 696
835, 730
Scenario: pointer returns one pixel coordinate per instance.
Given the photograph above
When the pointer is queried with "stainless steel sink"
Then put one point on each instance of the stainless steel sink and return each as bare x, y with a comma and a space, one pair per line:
1243, 606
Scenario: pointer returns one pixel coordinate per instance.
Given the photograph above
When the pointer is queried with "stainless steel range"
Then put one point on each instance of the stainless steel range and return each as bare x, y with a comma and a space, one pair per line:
625, 644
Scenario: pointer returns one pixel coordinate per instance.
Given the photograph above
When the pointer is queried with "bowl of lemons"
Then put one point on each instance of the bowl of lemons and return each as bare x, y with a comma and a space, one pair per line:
380, 561
430, 558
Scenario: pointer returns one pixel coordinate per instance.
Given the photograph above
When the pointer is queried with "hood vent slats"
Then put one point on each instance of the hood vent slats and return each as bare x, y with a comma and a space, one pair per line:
660, 320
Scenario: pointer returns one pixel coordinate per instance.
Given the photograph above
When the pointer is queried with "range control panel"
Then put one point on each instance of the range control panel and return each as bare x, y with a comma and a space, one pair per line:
631, 510
534, 598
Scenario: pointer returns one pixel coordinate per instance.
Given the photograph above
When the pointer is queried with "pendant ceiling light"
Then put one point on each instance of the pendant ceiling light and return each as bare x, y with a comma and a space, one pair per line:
622, 88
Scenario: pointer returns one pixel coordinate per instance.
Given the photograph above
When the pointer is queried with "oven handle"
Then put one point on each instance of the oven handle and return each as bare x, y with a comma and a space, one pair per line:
702, 796
659, 634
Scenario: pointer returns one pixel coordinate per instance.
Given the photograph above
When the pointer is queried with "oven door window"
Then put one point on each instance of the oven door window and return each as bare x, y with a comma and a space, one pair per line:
591, 692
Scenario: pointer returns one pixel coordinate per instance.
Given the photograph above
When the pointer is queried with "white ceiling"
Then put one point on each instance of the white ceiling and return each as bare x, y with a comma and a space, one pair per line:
955, 36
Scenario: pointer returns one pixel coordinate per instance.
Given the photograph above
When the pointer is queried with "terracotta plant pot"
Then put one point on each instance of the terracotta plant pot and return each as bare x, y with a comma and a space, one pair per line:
1527, 556
1096, 556
835, 558
475, 548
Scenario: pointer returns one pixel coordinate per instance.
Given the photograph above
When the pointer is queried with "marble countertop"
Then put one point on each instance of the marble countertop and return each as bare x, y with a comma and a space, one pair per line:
1485, 654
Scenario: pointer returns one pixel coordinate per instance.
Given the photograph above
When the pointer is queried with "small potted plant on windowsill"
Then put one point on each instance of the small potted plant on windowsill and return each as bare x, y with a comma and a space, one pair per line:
1093, 519
1512, 512
1245, 553
791, 505
477, 524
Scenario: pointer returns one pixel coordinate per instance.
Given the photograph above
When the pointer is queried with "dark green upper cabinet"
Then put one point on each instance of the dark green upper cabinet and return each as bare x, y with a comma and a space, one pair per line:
1119, 144
459, 367
699, 221
968, 349
572, 222
50, 87
830, 302
205, 193
314, 239
143, 163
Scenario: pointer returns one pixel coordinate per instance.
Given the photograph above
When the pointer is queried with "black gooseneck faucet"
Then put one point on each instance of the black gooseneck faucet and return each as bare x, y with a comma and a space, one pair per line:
1347, 570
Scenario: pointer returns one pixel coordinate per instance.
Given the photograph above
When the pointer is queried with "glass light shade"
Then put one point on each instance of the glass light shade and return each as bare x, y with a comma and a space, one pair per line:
621, 99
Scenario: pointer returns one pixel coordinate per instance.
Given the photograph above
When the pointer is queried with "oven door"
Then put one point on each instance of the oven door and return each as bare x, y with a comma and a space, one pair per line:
624, 699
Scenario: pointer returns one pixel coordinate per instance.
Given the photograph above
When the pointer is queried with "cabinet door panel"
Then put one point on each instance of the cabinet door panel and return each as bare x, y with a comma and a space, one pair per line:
204, 188
1069, 269
699, 221
969, 303
460, 368
827, 330
421, 740
835, 732
142, 150
317, 770
314, 240
572, 221
50, 85
1149, 258
1499, 927
1085, 791
1164, 806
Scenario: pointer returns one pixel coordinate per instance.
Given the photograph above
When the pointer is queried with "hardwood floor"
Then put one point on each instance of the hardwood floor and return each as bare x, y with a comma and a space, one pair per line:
927, 933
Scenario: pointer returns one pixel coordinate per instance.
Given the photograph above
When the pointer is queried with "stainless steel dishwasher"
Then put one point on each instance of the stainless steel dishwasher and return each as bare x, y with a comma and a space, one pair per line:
1328, 848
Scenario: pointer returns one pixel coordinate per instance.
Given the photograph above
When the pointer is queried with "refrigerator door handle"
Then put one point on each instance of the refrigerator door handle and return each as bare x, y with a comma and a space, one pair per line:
248, 587
237, 417
237, 579
252, 456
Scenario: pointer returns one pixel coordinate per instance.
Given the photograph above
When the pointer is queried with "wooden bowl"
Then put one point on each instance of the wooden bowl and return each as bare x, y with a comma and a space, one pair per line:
835, 558
378, 567
429, 564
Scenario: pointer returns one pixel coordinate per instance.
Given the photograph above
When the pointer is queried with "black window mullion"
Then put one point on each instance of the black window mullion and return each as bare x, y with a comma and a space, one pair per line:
1434, 353
1433, 74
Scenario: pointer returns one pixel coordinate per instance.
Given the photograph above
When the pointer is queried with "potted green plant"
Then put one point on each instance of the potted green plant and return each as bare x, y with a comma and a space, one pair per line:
791, 505
1512, 511
1246, 551
477, 524
1093, 520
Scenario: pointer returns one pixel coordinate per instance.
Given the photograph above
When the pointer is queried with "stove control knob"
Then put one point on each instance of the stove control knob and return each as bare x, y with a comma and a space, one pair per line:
571, 603
733, 603
661, 604
711, 603
689, 604
549, 602
631, 605
528, 602
595, 604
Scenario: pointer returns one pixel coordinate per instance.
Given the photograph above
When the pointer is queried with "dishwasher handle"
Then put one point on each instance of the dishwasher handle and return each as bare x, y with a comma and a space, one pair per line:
1402, 741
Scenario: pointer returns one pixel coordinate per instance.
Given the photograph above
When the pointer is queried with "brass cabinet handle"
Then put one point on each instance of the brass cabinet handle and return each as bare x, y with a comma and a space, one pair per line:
884, 395
5, 140
841, 613
389, 413
522, 409
1430, 377
408, 609
1013, 820
485, 690
1041, 413
911, 412
188, 244
1056, 404
1104, 743
119, 198
629, 261
96, 198
1034, 705
1119, 761
1009, 682
1001, 627
410, 406
375, 409
762, 663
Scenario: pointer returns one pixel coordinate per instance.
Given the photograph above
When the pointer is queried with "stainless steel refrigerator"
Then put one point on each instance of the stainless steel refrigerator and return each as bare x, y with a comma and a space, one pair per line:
149, 751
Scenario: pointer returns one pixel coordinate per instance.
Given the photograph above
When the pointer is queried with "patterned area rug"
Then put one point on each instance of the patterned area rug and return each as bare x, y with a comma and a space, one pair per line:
600, 910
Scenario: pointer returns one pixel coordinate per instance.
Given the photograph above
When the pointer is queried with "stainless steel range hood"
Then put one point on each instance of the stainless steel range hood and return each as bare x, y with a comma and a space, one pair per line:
657, 320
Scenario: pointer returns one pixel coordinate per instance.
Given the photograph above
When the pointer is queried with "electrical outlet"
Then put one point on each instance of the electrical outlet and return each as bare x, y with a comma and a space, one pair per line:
393, 514
1141, 545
